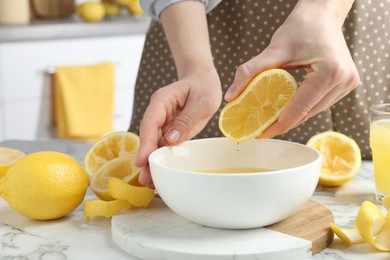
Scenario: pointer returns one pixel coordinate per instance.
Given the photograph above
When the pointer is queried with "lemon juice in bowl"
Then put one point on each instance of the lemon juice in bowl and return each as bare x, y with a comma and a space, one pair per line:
380, 146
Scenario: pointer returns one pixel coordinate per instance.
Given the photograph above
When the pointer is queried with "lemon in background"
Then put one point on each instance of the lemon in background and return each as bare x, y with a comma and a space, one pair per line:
134, 7
114, 177
341, 157
8, 156
44, 185
122, 167
111, 9
122, 2
91, 11
112, 156
109, 147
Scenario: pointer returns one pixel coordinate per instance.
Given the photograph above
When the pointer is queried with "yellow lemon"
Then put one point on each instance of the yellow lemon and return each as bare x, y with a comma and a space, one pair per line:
111, 9
341, 157
134, 7
91, 11
108, 148
44, 185
8, 156
121, 167
122, 2
258, 106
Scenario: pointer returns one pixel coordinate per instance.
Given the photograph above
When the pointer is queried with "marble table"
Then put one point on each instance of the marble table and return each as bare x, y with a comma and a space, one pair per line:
71, 238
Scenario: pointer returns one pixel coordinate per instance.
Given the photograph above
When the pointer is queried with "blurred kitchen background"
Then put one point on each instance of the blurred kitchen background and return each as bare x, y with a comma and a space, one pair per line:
39, 36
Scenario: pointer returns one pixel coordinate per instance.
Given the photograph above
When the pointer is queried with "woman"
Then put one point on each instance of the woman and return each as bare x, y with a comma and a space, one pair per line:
239, 39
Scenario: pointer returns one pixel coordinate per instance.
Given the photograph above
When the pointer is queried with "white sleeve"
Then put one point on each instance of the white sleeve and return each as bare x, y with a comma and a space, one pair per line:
154, 7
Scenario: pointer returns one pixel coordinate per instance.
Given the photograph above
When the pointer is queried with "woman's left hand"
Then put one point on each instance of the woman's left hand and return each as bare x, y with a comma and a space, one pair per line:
310, 38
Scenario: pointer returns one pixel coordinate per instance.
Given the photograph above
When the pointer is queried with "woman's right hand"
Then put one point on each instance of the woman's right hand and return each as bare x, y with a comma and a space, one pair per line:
176, 113
179, 111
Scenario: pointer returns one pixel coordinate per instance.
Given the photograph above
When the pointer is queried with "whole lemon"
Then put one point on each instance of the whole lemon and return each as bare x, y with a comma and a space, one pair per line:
112, 9
44, 185
91, 11
122, 2
134, 7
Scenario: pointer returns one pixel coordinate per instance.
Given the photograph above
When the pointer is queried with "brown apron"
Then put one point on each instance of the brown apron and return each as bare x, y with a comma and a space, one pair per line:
239, 30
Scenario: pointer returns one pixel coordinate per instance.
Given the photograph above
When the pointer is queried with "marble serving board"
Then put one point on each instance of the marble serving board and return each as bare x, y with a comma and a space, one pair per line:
159, 233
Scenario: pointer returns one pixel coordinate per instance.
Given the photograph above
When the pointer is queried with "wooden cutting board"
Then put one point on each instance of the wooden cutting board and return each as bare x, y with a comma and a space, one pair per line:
159, 233
311, 222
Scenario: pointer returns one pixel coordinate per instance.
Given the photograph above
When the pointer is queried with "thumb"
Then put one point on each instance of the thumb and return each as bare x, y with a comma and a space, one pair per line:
267, 59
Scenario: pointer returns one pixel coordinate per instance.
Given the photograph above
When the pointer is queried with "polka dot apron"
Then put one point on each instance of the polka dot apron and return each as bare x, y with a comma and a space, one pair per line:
239, 30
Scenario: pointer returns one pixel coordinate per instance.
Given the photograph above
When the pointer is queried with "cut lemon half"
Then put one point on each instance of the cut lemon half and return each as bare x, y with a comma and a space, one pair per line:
122, 167
108, 148
341, 157
258, 106
7, 157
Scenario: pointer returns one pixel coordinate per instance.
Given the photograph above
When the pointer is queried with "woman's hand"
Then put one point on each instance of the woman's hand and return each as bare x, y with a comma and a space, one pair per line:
310, 38
176, 113
180, 110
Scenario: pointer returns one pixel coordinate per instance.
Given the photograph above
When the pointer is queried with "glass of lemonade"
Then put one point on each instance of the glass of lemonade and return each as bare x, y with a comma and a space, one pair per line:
380, 147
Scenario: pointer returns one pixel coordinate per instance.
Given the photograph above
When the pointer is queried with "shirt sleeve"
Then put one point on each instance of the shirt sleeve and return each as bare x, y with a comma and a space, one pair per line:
154, 7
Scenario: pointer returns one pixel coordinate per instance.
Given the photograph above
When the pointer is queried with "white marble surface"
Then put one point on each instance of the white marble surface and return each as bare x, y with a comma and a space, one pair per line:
71, 238
158, 233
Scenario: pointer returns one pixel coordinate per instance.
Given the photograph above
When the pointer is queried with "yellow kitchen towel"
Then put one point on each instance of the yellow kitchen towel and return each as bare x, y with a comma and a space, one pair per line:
84, 100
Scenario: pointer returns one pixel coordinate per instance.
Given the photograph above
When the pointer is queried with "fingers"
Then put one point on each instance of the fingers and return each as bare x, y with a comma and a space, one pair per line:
317, 93
145, 178
328, 101
150, 138
309, 94
281, 127
175, 113
268, 59
150, 131
191, 119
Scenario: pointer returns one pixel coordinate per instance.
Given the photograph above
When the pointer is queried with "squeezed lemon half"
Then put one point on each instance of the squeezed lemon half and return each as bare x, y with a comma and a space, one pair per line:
258, 106
341, 157
109, 147
8, 156
114, 176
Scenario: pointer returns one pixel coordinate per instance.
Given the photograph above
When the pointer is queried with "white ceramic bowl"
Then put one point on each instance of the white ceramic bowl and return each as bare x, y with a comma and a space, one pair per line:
235, 201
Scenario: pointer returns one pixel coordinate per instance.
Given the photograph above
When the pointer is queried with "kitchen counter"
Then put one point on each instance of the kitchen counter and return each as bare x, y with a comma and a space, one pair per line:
74, 27
71, 238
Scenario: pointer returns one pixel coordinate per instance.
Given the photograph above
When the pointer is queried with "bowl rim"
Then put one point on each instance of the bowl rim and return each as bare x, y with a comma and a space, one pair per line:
154, 154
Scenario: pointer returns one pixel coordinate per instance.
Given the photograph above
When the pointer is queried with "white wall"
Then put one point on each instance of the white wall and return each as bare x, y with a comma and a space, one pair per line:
25, 91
